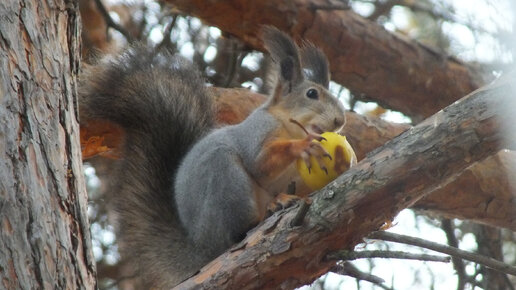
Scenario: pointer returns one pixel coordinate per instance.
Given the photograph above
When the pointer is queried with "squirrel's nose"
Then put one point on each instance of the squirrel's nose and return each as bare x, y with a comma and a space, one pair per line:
339, 121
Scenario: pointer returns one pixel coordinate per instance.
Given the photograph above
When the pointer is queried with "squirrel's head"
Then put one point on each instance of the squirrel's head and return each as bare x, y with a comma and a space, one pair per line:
302, 85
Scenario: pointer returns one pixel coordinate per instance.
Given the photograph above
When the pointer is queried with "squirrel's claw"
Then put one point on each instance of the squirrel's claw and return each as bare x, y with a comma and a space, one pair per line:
318, 152
306, 159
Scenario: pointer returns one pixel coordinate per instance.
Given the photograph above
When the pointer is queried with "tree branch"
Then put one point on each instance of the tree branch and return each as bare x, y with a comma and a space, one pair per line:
354, 255
487, 261
365, 57
348, 269
362, 199
458, 264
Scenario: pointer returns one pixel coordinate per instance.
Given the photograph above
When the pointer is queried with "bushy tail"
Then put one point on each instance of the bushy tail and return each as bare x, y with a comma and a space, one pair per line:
160, 102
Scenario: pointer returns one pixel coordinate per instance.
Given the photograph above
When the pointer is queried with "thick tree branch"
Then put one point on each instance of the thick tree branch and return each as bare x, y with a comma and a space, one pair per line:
390, 179
399, 73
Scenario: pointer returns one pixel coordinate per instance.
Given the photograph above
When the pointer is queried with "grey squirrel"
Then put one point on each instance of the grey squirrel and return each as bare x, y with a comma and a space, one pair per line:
185, 192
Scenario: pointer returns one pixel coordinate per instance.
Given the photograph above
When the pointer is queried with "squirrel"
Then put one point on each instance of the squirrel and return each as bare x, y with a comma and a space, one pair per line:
185, 191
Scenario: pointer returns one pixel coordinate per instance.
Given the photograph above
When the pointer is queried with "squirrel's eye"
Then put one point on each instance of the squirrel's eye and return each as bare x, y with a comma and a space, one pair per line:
312, 94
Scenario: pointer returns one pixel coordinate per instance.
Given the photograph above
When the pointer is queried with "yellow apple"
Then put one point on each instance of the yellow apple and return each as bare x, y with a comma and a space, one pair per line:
342, 158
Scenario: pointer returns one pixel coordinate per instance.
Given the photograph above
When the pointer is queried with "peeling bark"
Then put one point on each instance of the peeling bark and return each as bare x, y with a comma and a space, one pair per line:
398, 73
44, 238
390, 179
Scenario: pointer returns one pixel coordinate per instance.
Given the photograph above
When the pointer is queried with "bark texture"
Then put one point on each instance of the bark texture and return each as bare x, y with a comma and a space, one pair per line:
390, 179
44, 237
399, 73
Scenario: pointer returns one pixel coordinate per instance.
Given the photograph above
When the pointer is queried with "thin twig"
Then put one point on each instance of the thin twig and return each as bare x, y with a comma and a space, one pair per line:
111, 23
458, 263
483, 260
166, 42
348, 269
299, 124
353, 255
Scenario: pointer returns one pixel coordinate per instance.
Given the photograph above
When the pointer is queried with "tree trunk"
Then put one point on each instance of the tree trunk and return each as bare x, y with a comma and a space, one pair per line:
44, 238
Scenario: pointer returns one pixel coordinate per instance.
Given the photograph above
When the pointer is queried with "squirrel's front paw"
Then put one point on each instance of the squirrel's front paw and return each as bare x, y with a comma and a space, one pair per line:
316, 150
282, 201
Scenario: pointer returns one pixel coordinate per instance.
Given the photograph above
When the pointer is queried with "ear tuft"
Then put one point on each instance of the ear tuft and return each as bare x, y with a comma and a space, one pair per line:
315, 61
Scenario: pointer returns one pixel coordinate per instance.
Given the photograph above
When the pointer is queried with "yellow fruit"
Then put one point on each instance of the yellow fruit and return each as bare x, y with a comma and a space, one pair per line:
342, 158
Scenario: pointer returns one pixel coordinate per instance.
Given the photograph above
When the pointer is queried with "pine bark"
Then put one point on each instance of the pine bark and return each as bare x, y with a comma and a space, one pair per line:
44, 238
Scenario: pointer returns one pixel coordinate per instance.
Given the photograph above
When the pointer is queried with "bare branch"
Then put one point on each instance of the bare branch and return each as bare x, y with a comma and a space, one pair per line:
487, 261
348, 269
458, 264
353, 255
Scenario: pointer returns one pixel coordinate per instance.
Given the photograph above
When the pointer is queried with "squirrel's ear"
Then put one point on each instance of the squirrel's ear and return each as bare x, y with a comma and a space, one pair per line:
285, 52
316, 65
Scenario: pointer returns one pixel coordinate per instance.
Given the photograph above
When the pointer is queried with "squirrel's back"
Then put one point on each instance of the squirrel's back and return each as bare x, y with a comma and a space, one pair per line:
160, 102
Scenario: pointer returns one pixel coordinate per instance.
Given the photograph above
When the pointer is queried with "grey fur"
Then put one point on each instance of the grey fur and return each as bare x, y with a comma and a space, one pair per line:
220, 171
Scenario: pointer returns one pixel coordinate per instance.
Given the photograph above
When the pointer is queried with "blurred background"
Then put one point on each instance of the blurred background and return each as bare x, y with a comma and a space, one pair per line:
479, 33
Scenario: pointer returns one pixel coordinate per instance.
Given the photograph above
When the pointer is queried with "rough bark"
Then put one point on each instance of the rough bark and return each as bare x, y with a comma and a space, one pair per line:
399, 73
394, 177
44, 238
